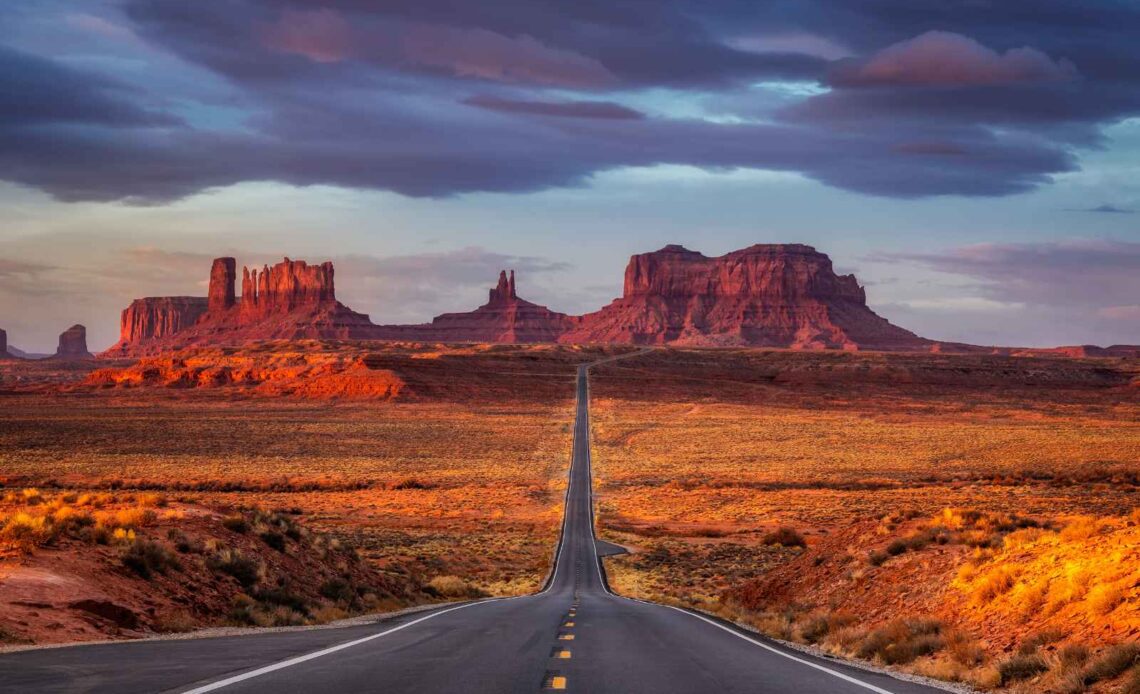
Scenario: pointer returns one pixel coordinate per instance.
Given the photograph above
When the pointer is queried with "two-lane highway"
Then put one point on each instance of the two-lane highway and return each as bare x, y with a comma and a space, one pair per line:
574, 635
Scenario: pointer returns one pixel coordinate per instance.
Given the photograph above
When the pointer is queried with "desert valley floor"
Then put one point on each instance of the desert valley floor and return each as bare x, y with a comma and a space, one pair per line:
968, 517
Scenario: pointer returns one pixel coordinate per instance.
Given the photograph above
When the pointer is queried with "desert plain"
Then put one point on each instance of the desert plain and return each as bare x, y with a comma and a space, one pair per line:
968, 517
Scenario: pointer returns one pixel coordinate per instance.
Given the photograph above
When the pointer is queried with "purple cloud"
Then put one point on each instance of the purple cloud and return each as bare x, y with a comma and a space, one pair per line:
940, 58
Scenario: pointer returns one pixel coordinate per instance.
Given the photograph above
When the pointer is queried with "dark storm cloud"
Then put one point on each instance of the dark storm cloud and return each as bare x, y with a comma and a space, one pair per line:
37, 91
380, 95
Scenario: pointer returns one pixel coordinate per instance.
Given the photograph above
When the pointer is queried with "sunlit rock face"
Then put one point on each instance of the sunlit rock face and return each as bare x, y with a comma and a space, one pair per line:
774, 295
779, 295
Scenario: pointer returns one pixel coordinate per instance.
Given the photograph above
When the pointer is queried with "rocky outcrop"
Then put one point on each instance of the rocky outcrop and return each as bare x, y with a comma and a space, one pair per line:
157, 317
4, 345
286, 287
778, 295
504, 318
290, 300
73, 344
223, 275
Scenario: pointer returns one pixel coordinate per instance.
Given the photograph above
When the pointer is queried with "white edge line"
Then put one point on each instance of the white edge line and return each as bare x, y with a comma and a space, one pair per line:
317, 654
755, 642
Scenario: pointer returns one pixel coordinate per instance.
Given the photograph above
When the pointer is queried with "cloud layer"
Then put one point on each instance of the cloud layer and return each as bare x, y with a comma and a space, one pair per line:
431, 98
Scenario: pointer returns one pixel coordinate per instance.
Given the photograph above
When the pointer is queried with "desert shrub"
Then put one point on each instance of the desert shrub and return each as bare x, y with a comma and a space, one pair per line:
1104, 598
1080, 528
1073, 654
785, 536
877, 557
902, 641
896, 547
338, 589
236, 523
1021, 667
151, 499
992, 584
32, 496
147, 558
452, 587
1112, 663
25, 531
819, 626
1038, 639
246, 570
274, 539
411, 483
282, 595
328, 613
964, 649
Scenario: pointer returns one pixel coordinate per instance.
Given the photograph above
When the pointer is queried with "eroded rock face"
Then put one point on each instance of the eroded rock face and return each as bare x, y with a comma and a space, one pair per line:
285, 287
3, 344
157, 317
73, 343
785, 295
775, 295
223, 276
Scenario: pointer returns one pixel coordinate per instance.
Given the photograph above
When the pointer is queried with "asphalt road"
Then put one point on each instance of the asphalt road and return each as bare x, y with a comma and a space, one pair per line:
574, 635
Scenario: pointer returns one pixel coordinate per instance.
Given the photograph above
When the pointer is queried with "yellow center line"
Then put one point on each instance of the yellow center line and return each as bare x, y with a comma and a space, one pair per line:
566, 637
568, 624
564, 654
558, 683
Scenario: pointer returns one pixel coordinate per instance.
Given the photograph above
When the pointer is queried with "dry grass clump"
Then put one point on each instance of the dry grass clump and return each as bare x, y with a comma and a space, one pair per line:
147, 558
785, 537
902, 641
1021, 667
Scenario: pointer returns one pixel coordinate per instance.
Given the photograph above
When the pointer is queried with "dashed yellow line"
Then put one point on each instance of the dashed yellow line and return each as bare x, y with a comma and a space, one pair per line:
565, 637
563, 654
568, 624
558, 682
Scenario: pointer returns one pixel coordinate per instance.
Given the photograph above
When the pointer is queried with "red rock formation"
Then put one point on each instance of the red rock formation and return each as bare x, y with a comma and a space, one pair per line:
291, 300
73, 344
766, 295
4, 345
158, 317
223, 274
504, 318
284, 288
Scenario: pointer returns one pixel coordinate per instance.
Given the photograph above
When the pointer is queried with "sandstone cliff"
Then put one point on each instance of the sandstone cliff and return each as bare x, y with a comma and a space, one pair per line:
290, 300
785, 295
4, 345
158, 317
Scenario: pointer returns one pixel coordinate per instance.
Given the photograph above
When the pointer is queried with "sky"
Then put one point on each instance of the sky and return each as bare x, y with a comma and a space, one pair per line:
976, 163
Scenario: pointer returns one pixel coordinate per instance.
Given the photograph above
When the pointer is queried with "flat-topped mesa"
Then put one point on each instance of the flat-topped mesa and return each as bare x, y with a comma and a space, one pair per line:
157, 317
777, 295
4, 344
285, 287
73, 343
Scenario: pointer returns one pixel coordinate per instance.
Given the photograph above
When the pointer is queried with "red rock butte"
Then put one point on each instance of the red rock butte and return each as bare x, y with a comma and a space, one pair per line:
73, 344
779, 295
